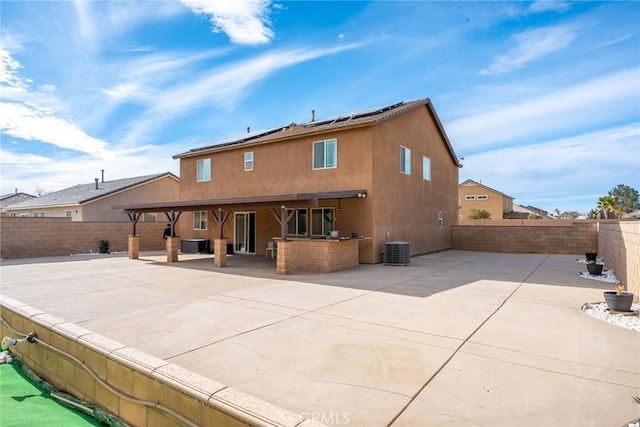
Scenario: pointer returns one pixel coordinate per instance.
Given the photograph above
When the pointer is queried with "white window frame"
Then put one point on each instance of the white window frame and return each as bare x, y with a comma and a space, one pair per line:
68, 214
199, 222
426, 168
440, 219
326, 146
405, 160
483, 197
470, 197
203, 170
248, 160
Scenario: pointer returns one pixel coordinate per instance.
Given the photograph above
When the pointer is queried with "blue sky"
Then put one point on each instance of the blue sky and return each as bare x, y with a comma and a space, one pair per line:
542, 99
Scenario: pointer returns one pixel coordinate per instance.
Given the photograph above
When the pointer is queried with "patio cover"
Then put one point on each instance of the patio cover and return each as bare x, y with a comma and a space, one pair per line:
220, 208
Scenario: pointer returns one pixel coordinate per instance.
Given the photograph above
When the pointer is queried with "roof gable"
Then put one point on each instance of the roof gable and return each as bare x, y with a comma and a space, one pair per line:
470, 182
84, 193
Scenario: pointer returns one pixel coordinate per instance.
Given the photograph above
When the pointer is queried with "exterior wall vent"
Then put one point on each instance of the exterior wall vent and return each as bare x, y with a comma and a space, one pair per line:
396, 253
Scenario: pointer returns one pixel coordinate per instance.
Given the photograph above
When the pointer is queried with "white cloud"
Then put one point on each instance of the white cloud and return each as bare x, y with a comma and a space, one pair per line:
222, 86
531, 45
244, 21
540, 6
32, 123
561, 169
10, 73
588, 104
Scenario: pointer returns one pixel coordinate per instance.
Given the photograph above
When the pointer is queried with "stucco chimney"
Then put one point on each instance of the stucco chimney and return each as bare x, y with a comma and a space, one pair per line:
313, 115
96, 183
103, 176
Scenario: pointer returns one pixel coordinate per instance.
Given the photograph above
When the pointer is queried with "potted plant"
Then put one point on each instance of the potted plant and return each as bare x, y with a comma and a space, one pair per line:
618, 300
595, 269
591, 255
103, 244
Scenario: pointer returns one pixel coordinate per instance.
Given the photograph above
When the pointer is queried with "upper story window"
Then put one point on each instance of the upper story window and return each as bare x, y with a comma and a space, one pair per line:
248, 161
203, 170
470, 197
405, 160
200, 220
325, 154
68, 214
483, 197
426, 168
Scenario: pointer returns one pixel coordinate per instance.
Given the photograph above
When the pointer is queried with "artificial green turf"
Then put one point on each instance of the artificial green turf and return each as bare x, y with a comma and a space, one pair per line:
23, 404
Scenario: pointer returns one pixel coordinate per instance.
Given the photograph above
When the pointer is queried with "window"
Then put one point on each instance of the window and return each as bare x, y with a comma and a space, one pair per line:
483, 197
200, 220
149, 217
203, 172
469, 197
321, 221
248, 161
440, 219
39, 214
68, 214
297, 225
325, 154
426, 168
405, 160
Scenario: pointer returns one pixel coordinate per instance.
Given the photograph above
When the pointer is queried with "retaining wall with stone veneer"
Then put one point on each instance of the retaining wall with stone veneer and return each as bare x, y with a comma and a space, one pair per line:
137, 388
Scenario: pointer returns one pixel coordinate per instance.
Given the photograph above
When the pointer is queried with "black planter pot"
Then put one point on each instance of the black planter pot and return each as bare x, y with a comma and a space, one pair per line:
104, 250
591, 256
618, 302
595, 269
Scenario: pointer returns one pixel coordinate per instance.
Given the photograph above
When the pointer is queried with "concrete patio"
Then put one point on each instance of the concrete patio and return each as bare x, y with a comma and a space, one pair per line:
456, 338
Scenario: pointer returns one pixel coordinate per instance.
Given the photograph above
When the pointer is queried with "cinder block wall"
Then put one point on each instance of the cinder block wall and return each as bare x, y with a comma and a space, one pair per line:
619, 246
37, 237
526, 236
321, 255
139, 389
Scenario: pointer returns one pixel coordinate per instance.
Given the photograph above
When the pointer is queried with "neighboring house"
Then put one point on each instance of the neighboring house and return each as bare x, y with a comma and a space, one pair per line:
572, 215
12, 199
541, 213
475, 195
95, 201
520, 212
383, 174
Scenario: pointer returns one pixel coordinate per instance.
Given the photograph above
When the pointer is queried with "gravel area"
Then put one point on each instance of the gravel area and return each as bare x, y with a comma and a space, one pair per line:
600, 311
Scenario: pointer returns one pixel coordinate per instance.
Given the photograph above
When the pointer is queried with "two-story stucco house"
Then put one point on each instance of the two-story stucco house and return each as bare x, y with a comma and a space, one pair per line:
475, 195
384, 174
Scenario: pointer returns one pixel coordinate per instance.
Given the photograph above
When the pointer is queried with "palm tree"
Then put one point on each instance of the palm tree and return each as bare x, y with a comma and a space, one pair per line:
607, 205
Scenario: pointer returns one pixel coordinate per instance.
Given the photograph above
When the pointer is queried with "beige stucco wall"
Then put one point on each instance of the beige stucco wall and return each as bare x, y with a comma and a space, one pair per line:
496, 204
368, 158
407, 206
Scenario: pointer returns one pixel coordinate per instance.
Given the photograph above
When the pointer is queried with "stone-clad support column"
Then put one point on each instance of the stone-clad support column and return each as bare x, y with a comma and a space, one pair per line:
283, 260
134, 247
173, 245
220, 252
